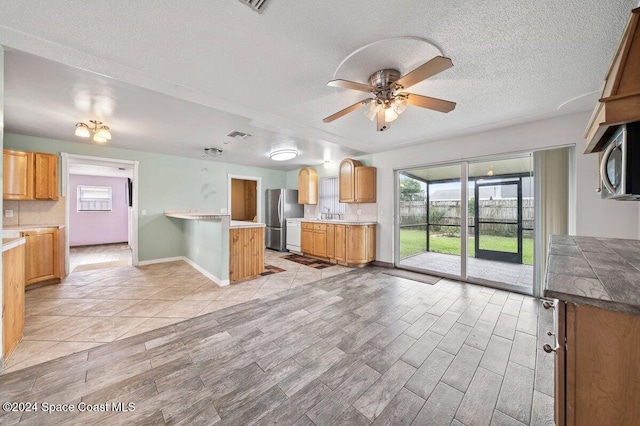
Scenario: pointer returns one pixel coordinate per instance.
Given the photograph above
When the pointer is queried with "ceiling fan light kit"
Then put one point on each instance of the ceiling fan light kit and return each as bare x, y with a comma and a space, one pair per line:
101, 133
389, 99
283, 154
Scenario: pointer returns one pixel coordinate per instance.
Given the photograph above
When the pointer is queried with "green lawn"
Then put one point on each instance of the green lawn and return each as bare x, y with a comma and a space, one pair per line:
414, 241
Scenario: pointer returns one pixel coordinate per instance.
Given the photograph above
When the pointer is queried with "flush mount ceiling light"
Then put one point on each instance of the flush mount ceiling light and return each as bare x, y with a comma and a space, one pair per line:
389, 98
212, 152
101, 132
283, 154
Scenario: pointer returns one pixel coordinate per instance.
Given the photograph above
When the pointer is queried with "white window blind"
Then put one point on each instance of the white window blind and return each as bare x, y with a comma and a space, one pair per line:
94, 198
329, 196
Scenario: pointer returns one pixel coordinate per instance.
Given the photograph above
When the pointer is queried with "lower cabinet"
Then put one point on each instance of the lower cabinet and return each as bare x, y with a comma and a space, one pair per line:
44, 255
246, 253
597, 366
351, 245
12, 298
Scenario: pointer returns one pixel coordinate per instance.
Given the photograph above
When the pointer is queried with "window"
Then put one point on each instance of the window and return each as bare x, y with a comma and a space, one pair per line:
94, 198
329, 197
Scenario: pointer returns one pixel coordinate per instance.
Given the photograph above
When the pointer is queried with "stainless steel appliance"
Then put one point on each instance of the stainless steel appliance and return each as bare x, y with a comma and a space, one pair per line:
280, 204
620, 164
294, 235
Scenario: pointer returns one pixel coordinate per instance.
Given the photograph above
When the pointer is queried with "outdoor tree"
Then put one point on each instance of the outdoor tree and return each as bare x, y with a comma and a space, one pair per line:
411, 190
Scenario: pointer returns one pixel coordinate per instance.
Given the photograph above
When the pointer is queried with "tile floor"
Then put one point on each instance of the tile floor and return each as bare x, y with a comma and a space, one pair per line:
359, 348
100, 305
103, 253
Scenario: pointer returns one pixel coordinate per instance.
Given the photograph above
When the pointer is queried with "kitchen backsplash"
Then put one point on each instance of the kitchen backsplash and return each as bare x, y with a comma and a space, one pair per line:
368, 211
34, 212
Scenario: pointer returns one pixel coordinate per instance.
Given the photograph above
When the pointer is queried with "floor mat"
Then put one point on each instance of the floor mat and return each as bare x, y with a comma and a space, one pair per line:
270, 270
413, 276
308, 261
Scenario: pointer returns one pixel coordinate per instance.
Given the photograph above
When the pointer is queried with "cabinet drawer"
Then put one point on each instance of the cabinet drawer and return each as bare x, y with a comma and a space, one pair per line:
307, 225
319, 226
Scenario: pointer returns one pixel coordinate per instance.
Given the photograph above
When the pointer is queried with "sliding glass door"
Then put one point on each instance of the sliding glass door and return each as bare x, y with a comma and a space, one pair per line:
469, 220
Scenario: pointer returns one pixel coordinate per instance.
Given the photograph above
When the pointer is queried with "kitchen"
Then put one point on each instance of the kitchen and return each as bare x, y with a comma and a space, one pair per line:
160, 175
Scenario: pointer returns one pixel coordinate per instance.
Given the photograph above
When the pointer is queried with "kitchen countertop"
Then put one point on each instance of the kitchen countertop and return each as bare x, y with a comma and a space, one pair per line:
30, 227
195, 215
245, 224
339, 222
601, 272
9, 243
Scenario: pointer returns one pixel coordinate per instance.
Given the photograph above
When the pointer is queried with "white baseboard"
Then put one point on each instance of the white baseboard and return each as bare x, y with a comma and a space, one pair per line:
164, 260
218, 281
221, 283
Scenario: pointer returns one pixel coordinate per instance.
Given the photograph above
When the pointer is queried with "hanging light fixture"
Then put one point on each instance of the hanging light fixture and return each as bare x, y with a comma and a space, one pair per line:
283, 154
101, 132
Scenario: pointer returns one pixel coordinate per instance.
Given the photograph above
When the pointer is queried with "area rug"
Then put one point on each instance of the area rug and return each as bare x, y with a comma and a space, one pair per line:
307, 261
270, 270
413, 276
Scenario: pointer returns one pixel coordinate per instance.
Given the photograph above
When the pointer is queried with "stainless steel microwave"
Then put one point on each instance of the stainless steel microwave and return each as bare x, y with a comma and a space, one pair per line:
620, 164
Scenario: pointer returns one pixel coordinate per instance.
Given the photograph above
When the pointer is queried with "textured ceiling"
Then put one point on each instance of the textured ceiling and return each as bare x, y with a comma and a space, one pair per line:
513, 62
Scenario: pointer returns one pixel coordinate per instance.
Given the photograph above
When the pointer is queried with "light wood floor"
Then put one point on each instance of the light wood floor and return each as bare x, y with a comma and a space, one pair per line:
358, 348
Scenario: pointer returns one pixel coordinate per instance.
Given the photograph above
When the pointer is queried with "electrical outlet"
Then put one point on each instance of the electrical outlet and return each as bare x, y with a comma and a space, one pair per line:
358, 212
8, 213
143, 212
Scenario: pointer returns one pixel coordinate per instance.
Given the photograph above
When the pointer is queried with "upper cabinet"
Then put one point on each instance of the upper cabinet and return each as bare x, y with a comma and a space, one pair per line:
29, 176
307, 186
620, 99
357, 182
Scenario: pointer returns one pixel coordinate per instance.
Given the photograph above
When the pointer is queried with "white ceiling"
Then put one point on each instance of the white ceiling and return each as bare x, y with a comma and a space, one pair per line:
174, 77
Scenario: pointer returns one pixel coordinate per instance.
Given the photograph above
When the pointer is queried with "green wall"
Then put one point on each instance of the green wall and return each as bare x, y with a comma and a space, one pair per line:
165, 183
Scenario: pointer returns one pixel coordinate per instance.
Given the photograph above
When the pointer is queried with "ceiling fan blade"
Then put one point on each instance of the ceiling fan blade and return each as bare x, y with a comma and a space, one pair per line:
347, 110
424, 71
381, 123
346, 84
429, 103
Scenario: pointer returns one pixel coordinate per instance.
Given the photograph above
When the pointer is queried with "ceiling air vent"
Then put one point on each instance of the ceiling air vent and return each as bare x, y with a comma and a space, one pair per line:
237, 134
257, 5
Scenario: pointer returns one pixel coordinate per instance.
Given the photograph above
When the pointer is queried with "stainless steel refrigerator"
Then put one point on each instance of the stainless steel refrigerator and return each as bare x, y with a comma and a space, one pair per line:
280, 204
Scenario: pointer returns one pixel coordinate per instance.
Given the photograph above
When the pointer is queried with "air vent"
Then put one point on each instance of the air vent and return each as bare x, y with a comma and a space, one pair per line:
237, 134
257, 5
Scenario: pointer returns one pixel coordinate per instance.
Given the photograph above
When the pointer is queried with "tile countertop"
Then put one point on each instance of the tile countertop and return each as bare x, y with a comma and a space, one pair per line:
601, 272
9, 243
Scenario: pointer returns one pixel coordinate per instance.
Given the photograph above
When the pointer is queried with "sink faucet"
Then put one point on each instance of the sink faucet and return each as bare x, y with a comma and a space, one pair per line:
328, 214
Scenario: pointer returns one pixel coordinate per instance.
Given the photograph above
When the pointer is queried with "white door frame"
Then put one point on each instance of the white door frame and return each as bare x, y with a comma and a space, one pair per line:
71, 159
258, 193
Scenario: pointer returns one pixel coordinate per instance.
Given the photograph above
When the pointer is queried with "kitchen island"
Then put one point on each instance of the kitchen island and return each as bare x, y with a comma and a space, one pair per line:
596, 282
224, 250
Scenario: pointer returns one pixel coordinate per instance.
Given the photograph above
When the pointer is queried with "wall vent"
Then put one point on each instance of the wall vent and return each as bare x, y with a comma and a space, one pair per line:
237, 134
257, 5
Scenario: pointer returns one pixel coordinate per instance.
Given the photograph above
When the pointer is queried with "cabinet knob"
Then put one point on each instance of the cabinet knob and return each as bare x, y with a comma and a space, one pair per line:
549, 333
548, 349
547, 305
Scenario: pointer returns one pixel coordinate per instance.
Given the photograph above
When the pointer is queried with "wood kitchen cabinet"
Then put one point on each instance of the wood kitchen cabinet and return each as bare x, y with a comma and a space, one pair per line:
357, 182
349, 245
597, 366
12, 298
307, 186
29, 175
44, 255
246, 252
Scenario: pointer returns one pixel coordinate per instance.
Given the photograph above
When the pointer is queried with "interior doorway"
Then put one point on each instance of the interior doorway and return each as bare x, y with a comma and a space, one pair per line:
101, 211
244, 200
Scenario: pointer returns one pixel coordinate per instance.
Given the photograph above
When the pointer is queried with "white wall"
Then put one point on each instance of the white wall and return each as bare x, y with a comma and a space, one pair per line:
594, 216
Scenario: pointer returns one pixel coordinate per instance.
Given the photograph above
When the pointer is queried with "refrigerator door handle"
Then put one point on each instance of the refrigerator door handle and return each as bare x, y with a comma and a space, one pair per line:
280, 208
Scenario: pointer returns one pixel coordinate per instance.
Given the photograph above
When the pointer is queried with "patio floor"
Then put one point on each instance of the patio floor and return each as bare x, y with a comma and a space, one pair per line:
502, 272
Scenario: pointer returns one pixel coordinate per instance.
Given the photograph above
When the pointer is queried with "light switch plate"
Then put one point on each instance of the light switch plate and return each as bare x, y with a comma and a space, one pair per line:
223, 210
8, 213
143, 212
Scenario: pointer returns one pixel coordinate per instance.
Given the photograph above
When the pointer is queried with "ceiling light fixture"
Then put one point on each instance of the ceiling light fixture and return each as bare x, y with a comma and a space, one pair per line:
490, 172
101, 132
212, 152
283, 154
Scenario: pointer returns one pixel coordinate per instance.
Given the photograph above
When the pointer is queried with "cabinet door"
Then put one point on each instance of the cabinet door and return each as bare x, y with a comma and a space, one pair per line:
347, 178
17, 175
340, 237
365, 188
306, 243
320, 243
303, 187
12, 298
371, 243
41, 255
46, 176
331, 241
356, 244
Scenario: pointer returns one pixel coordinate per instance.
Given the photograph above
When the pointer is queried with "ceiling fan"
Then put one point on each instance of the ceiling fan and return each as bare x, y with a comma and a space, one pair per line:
387, 86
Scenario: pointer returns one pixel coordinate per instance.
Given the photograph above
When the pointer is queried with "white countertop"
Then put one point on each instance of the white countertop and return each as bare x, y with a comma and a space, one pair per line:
9, 243
195, 215
340, 222
244, 224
